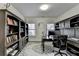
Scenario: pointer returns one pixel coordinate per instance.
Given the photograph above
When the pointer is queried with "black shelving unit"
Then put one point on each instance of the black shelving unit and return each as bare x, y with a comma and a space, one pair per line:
57, 26
74, 22
73, 49
70, 24
22, 33
26, 28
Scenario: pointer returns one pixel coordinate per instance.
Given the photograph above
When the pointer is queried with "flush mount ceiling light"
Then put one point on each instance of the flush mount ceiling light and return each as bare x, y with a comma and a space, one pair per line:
44, 7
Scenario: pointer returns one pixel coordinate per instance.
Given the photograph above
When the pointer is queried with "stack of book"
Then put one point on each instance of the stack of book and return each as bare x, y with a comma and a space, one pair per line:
11, 22
12, 50
11, 39
14, 46
15, 23
9, 50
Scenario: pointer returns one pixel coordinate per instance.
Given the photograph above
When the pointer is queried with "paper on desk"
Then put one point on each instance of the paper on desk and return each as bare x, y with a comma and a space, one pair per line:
75, 39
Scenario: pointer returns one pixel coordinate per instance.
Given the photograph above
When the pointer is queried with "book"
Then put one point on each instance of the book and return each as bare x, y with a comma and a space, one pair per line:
15, 37
15, 23
7, 40
12, 38
15, 46
14, 52
10, 21
9, 50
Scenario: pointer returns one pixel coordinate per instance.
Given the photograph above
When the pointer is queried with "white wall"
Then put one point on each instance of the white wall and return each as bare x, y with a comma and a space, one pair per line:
39, 28
71, 12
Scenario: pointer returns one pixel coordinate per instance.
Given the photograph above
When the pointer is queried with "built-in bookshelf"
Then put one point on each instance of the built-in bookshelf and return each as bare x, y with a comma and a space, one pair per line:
26, 28
12, 39
70, 27
74, 22
22, 27
12, 34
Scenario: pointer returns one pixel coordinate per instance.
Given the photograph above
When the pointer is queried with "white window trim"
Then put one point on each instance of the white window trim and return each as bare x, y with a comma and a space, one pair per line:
48, 29
32, 29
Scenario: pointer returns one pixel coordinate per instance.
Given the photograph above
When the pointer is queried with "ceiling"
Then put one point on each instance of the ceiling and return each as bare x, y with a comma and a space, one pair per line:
33, 9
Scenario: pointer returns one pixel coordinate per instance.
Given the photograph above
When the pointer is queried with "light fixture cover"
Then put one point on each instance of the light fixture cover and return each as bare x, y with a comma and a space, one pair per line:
44, 7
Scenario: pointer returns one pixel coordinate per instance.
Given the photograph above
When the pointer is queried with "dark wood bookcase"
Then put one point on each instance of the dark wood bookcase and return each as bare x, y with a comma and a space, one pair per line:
13, 34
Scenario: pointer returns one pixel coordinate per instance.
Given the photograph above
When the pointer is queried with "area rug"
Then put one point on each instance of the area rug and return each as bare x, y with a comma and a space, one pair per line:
38, 48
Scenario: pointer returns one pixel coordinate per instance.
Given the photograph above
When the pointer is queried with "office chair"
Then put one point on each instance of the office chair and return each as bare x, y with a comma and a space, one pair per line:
60, 43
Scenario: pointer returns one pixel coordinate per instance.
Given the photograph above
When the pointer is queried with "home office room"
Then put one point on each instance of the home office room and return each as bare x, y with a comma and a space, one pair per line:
39, 29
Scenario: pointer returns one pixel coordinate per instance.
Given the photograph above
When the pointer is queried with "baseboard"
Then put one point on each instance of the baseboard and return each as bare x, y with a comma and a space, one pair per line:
34, 41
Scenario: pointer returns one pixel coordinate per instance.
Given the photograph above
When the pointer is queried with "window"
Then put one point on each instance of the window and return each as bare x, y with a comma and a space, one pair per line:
31, 29
50, 27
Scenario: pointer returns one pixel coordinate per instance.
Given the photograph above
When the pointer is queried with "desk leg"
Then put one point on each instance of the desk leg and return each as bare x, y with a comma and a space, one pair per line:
43, 46
53, 47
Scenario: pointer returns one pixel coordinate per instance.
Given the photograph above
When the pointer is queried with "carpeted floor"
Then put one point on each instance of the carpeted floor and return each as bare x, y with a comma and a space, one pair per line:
35, 49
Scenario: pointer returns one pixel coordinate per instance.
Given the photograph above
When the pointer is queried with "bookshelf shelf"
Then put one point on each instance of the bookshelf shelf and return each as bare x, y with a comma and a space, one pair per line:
75, 22
12, 43
10, 53
12, 25
22, 26
12, 34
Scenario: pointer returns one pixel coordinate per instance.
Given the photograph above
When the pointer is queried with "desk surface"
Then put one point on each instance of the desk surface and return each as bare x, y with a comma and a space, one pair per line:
73, 42
44, 39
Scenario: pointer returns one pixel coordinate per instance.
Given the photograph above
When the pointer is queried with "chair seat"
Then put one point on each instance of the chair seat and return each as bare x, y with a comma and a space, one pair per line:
60, 43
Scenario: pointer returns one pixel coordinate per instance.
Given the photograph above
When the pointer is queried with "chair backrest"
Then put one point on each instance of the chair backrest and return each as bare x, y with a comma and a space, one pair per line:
56, 41
62, 41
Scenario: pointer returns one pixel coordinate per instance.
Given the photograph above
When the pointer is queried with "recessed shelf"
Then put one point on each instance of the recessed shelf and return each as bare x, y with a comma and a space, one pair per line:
12, 25
8, 45
75, 22
13, 52
12, 49
22, 26
12, 34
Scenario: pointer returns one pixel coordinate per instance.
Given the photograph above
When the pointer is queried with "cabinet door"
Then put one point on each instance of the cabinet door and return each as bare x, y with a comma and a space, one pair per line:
67, 24
77, 33
69, 32
61, 25
62, 32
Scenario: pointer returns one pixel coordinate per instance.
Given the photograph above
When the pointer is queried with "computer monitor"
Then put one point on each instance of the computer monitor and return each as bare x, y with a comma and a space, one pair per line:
51, 33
